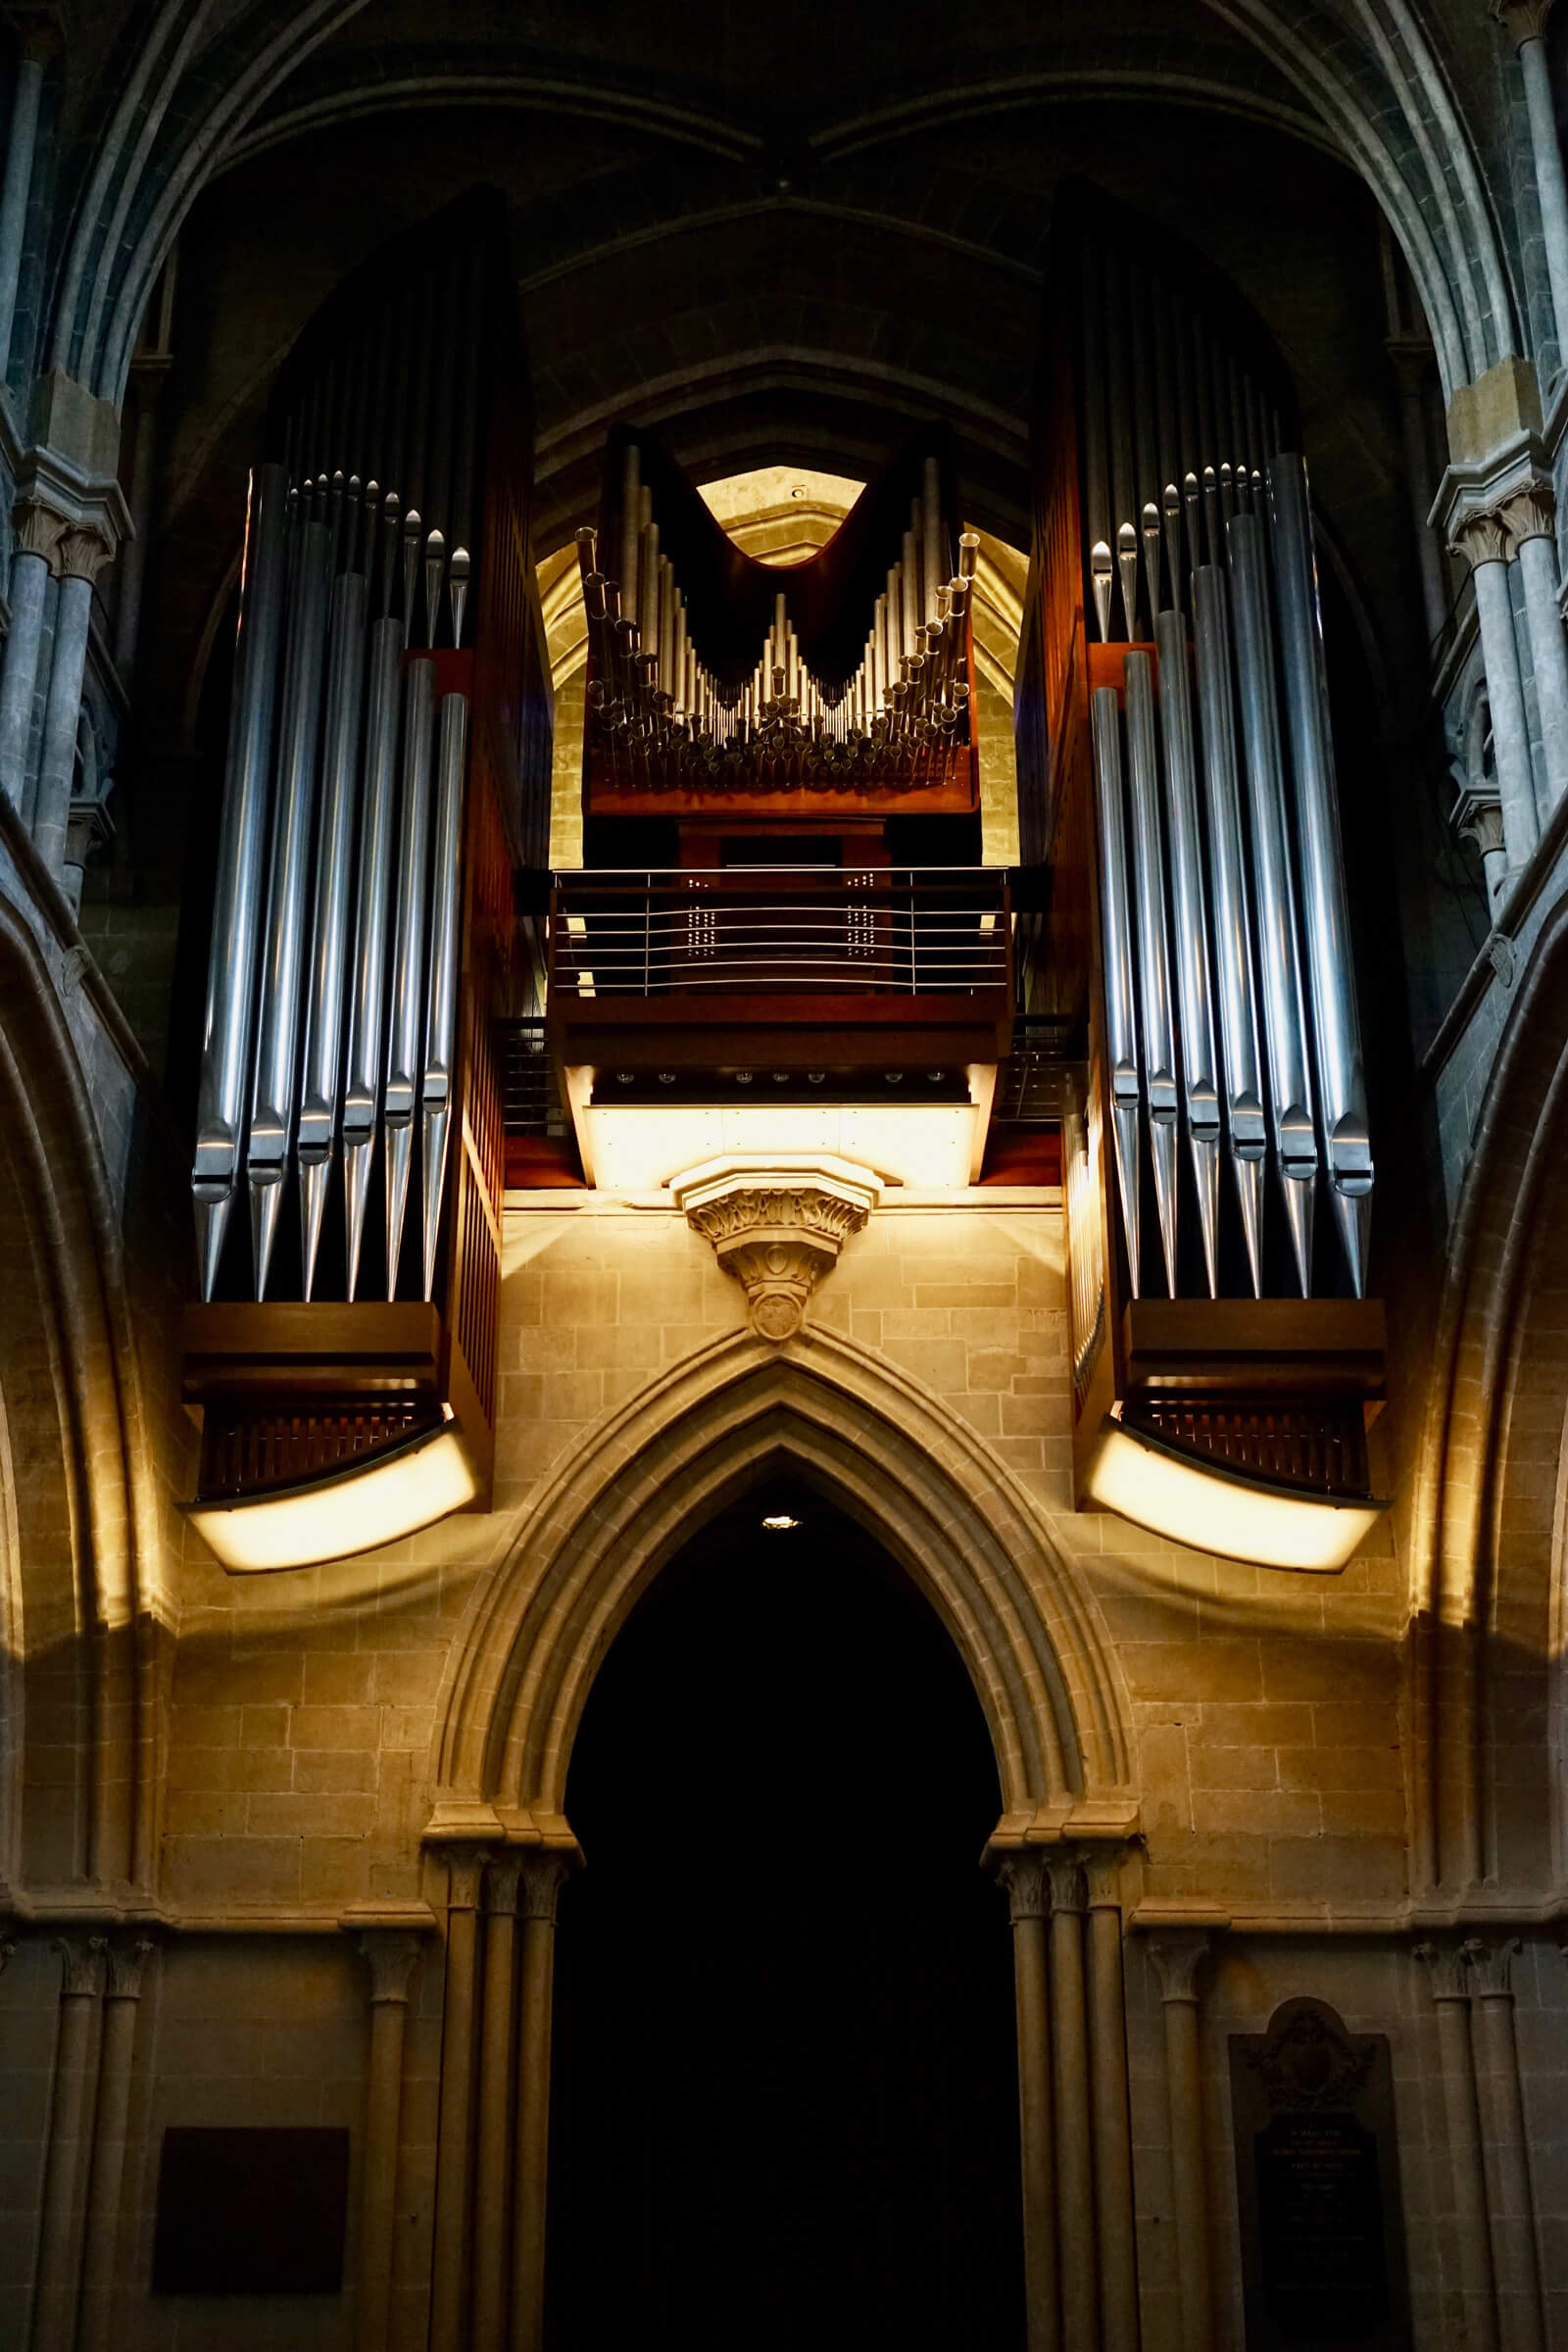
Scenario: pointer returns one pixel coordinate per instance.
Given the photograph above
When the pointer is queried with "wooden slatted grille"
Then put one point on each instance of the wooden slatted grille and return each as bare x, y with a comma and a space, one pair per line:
1315, 1444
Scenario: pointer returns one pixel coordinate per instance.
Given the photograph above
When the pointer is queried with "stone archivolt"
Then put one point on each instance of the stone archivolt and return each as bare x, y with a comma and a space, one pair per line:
777, 1229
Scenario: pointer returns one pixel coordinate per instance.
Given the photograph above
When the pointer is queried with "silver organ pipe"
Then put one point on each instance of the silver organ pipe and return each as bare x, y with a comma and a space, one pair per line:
1117, 961
274, 1090
329, 924
1159, 1028
1295, 1132
1336, 1030
1195, 995
441, 1011
241, 876
366, 1028
1231, 903
400, 1092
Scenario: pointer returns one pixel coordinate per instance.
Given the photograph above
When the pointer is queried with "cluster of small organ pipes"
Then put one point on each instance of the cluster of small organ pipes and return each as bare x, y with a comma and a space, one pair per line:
652, 694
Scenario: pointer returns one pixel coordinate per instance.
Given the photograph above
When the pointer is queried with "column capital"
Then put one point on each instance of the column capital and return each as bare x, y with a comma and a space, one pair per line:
503, 1882
81, 1966
84, 551
1521, 20
1021, 1874
1448, 1971
1102, 1869
37, 530
464, 1875
1480, 538
389, 1955
1178, 1959
1064, 1870
127, 1960
1528, 513
542, 1873
1491, 1967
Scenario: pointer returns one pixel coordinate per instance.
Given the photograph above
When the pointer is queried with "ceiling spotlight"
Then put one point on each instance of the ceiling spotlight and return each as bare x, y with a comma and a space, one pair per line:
666, 1077
816, 1076
743, 1077
779, 1522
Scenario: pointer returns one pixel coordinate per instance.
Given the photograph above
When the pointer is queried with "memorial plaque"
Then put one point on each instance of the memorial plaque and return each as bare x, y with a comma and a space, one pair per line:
1318, 2184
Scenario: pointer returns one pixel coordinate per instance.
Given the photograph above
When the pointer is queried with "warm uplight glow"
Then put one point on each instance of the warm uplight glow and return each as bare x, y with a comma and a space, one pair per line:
638, 1147
354, 1510
779, 1520
1213, 1509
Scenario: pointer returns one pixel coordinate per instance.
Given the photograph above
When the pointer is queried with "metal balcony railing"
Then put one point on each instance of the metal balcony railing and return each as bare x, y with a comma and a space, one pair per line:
805, 931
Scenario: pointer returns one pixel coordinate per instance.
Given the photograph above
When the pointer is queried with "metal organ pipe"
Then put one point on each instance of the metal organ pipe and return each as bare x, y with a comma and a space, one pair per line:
441, 1013
1195, 995
1117, 957
273, 1098
1284, 1007
1153, 955
366, 1031
1231, 898
238, 896
329, 927
1336, 1030
406, 1037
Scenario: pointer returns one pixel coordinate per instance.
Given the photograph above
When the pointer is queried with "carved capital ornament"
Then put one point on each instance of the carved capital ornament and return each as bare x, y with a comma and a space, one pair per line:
778, 1230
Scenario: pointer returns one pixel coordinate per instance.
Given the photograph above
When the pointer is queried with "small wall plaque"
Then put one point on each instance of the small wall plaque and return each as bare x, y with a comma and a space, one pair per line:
1318, 2183
248, 2211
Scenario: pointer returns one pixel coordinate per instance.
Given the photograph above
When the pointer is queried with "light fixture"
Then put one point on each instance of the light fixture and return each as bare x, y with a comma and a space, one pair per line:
354, 1510
1212, 1508
778, 1522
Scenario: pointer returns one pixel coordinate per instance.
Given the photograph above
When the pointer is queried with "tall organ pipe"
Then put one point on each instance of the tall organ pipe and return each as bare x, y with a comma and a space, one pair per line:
406, 1035
275, 1093
329, 927
1153, 955
441, 1013
1284, 1006
367, 1029
1232, 901
1116, 922
1195, 993
237, 904
1336, 1030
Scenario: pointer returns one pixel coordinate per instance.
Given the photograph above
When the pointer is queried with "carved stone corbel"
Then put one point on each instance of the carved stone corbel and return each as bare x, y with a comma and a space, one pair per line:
778, 1229
1481, 538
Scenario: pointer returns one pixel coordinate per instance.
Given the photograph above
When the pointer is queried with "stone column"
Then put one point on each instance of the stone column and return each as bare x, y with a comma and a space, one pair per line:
390, 1954
1482, 542
38, 535
491, 2201
1512, 2204
1023, 1876
59, 2274
1530, 519
1112, 2130
1525, 23
82, 555
100, 2258
543, 1876
1069, 2054
449, 2270
22, 138
1177, 1960
1450, 1992
1480, 820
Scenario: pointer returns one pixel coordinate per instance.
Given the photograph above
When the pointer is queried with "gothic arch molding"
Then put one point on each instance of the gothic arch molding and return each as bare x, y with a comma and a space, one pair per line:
1483, 1550
887, 1453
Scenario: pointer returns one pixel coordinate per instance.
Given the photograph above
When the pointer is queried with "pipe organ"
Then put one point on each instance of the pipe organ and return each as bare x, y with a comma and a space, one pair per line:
1177, 785
387, 776
714, 679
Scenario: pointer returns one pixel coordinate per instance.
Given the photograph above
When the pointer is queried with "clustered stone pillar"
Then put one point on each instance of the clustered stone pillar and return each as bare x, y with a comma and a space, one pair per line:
37, 534
82, 555
543, 1876
390, 1954
496, 2097
1509, 2201
1525, 23
1113, 2127
449, 2280
1069, 2039
1450, 1977
1178, 1960
1528, 517
1023, 1877
1483, 541
100, 2271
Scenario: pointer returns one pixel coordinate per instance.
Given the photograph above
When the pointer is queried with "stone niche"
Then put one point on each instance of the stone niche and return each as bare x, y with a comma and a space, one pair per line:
1317, 2181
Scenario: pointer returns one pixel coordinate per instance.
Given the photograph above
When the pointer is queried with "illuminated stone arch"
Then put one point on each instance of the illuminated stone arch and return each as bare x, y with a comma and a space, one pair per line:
883, 1450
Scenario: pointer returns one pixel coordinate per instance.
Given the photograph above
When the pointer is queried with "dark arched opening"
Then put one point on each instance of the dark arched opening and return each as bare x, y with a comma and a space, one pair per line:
785, 2088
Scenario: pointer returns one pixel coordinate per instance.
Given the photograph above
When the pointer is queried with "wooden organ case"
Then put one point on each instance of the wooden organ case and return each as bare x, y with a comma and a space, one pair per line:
388, 787
1188, 921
